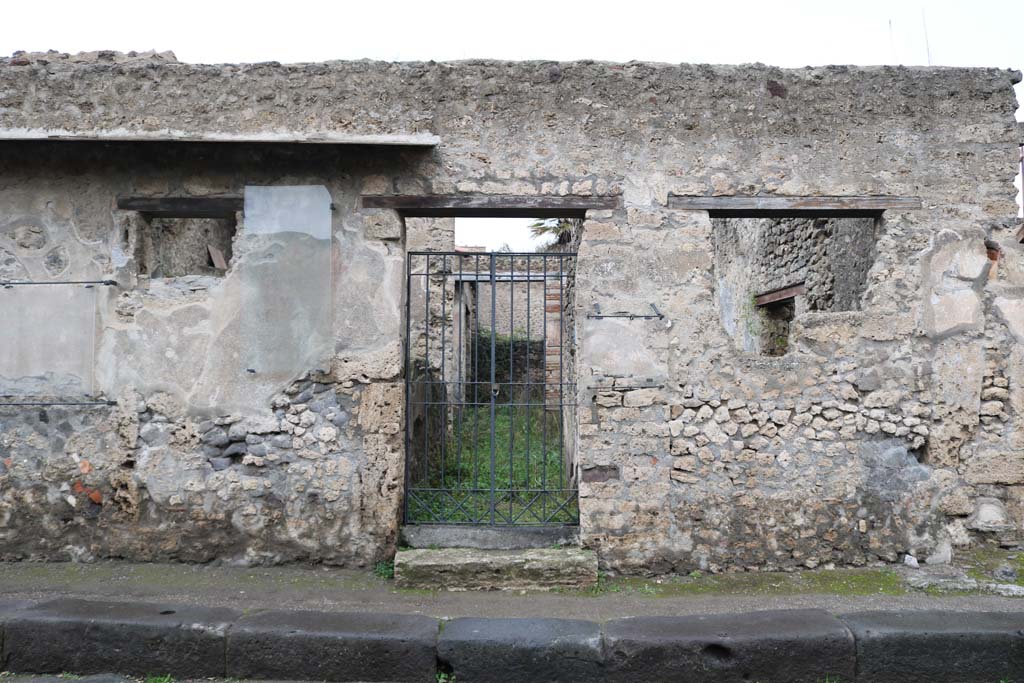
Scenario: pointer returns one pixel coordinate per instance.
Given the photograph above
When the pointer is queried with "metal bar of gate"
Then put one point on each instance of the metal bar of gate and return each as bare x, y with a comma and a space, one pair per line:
476, 381
426, 355
511, 376
494, 392
408, 378
561, 373
461, 396
444, 354
544, 396
529, 387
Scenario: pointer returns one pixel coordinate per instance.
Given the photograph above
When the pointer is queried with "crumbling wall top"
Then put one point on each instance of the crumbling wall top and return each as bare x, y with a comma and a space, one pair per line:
153, 91
23, 58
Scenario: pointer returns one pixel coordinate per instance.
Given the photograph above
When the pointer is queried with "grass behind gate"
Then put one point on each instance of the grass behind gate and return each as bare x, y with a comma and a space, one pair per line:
531, 486
526, 444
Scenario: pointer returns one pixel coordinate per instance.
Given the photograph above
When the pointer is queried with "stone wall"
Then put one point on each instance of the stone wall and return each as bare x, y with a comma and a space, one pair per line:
888, 429
512, 301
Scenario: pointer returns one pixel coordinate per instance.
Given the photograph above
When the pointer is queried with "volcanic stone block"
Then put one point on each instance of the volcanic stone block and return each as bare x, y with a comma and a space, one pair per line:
526, 650
470, 568
778, 646
325, 646
938, 646
7, 609
86, 637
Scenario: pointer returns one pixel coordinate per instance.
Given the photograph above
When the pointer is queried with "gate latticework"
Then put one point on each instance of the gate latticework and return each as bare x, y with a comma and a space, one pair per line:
490, 390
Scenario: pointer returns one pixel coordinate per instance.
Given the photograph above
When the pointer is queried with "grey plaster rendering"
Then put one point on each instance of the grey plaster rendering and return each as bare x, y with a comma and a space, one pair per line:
258, 412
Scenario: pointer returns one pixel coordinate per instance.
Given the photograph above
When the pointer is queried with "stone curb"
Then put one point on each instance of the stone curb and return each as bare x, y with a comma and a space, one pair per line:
795, 646
90, 637
85, 637
326, 646
500, 650
906, 647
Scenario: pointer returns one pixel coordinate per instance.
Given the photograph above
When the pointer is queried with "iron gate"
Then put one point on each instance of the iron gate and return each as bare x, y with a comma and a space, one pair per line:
490, 389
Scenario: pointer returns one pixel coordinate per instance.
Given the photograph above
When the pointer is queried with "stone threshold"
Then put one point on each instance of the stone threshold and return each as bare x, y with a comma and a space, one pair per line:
488, 537
89, 637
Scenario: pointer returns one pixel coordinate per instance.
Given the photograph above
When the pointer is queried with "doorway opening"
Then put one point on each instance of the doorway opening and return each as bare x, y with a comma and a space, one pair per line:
490, 384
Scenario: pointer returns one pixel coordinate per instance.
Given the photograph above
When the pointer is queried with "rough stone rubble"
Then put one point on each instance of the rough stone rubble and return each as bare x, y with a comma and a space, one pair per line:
892, 424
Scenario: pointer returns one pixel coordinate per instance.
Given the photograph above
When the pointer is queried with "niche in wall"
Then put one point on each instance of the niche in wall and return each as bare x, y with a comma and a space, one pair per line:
173, 247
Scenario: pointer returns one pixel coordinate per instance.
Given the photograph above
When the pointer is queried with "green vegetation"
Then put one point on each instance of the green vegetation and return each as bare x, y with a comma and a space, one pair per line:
520, 437
528, 469
166, 678
980, 563
824, 581
384, 570
603, 585
852, 582
558, 230
443, 677
455, 439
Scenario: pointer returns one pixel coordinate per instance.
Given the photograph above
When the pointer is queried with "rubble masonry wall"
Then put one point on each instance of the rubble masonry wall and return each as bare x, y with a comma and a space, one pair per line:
893, 428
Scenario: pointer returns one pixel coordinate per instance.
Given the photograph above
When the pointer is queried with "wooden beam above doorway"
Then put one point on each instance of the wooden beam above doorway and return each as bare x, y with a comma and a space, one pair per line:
489, 206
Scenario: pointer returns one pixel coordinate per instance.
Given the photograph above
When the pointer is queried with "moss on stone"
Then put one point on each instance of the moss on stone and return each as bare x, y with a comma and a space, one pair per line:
820, 581
981, 562
74, 576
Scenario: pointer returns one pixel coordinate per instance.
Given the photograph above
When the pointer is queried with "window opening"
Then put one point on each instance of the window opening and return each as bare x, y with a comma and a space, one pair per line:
769, 271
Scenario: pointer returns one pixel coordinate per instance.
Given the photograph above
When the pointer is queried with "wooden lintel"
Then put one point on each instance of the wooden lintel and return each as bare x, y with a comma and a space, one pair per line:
780, 207
779, 294
183, 207
489, 206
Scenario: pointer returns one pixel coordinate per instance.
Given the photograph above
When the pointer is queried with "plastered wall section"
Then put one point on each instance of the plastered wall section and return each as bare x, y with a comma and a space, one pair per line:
201, 458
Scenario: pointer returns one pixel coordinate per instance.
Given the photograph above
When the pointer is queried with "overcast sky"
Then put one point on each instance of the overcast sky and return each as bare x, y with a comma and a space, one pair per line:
790, 34
975, 33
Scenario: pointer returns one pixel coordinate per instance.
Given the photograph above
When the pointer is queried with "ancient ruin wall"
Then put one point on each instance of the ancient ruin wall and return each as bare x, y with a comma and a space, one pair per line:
309, 470
728, 459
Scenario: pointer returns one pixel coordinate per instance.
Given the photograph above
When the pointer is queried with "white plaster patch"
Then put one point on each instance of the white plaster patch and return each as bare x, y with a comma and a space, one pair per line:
1012, 312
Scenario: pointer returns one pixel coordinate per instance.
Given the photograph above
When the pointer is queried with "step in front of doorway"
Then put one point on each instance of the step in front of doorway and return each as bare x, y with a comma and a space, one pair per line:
476, 569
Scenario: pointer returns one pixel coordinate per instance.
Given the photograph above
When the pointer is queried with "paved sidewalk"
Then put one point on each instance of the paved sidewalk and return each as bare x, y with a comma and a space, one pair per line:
340, 590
